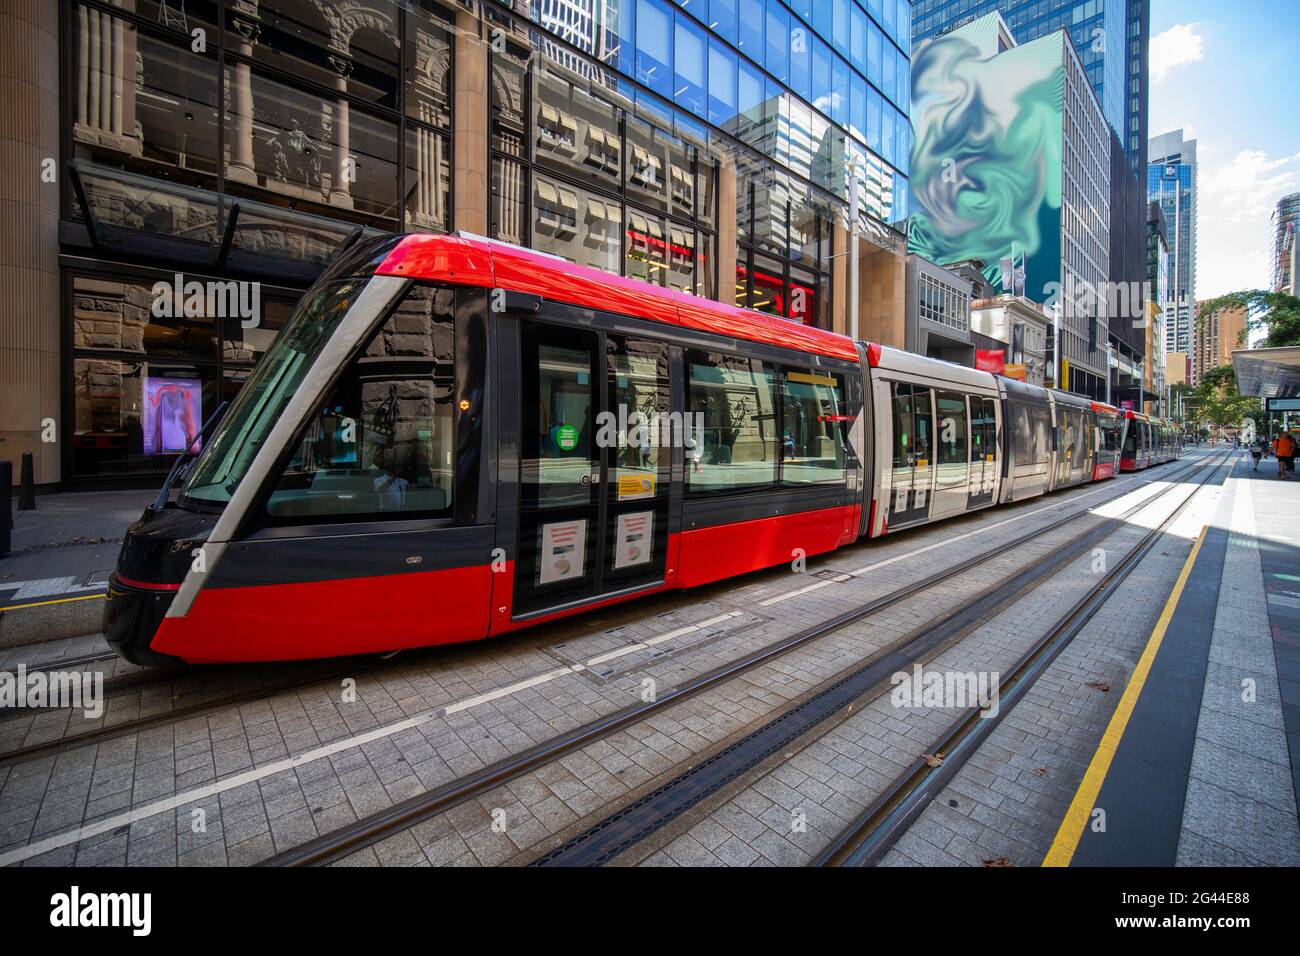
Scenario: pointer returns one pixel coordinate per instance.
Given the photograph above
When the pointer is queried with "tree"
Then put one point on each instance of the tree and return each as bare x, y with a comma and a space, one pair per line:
1277, 313
1219, 401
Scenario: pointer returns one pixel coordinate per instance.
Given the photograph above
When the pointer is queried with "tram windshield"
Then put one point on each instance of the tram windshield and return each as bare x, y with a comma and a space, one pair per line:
227, 458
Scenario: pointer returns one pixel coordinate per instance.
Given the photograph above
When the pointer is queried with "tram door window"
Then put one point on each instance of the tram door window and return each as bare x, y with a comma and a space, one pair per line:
952, 459
595, 464
984, 450
559, 471
912, 420
637, 436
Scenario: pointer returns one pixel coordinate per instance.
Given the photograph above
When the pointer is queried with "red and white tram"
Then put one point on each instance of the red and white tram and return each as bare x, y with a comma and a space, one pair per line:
454, 438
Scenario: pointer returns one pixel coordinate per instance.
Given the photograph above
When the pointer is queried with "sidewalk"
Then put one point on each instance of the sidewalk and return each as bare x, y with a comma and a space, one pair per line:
68, 544
1200, 765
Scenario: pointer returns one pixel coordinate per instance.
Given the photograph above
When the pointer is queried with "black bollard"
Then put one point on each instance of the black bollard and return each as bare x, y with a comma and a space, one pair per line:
27, 485
6, 505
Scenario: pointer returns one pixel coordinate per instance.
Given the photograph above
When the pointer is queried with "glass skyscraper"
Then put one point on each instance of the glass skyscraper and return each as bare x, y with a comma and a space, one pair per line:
1114, 63
1172, 182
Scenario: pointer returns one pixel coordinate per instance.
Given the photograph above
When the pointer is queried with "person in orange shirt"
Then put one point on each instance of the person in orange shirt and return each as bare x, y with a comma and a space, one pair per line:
1284, 448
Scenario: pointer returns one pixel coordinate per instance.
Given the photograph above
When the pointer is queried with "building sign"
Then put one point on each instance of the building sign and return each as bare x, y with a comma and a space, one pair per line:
991, 360
986, 167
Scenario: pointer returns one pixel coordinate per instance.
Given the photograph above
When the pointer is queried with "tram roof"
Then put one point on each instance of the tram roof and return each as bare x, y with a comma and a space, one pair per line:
1268, 373
485, 263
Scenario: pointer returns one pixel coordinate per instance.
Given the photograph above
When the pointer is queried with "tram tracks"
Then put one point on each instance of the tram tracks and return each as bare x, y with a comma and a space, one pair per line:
175, 714
369, 830
868, 837
142, 680
614, 835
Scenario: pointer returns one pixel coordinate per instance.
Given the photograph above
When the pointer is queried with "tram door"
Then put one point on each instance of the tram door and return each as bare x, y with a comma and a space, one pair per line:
913, 453
952, 459
983, 450
594, 482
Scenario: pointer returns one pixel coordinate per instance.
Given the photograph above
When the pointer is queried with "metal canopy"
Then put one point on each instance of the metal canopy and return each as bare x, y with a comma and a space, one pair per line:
1268, 373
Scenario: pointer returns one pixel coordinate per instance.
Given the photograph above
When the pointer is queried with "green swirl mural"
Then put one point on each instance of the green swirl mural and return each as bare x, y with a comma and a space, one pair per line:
986, 160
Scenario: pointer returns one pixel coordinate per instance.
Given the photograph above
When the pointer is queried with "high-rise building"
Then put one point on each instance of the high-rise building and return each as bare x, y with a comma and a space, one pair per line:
1286, 245
1111, 37
1158, 282
1217, 335
1012, 168
1172, 182
1127, 291
704, 146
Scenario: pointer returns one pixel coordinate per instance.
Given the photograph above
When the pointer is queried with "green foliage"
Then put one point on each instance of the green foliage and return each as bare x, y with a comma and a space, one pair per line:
1218, 401
1277, 313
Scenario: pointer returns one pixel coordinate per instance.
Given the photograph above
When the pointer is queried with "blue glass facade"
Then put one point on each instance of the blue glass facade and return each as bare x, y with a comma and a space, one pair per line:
1097, 27
836, 72
1171, 182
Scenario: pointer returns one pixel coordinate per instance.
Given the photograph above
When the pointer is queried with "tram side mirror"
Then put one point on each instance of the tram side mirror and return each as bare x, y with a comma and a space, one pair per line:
505, 301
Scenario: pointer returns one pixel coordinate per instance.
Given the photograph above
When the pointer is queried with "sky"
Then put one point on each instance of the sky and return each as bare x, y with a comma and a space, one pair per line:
1228, 75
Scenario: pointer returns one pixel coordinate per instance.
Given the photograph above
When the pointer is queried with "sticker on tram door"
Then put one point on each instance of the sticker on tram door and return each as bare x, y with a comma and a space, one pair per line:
564, 546
635, 540
900, 499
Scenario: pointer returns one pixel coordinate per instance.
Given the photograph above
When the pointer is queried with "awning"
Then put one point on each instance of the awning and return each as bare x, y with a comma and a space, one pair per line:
1268, 373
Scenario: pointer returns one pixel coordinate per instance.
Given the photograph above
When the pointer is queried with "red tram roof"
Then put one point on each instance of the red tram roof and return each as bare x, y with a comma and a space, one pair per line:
488, 265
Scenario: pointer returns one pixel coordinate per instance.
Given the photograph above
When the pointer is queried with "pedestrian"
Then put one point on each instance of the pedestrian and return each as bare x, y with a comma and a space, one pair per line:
1284, 448
1257, 451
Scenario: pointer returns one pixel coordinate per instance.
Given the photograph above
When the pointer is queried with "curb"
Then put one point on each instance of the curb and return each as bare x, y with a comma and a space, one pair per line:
38, 623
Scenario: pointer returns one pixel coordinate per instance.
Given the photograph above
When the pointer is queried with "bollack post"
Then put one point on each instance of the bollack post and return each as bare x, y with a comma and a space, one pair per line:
27, 484
6, 505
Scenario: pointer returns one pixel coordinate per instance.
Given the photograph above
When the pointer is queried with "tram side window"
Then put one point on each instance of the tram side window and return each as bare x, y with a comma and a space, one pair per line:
735, 399
950, 429
813, 432
1022, 431
382, 443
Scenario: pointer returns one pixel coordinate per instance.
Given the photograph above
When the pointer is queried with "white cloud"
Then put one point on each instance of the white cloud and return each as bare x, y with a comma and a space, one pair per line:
1177, 46
1235, 202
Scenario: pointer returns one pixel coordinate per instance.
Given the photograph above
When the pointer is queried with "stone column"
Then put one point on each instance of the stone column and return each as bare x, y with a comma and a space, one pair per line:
30, 365
470, 127
726, 253
341, 187
241, 165
840, 278
105, 82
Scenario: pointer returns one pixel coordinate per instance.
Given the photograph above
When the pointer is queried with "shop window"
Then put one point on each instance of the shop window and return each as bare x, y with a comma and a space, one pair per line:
428, 70
134, 417
152, 319
557, 209
428, 180
141, 100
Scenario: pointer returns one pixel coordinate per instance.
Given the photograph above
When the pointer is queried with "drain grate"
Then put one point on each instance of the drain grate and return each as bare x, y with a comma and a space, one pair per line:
74, 543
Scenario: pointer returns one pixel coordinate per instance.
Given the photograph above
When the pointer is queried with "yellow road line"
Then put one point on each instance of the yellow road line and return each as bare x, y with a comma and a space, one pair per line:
84, 597
1076, 818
